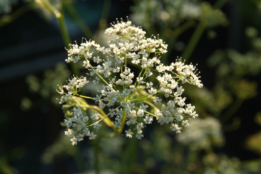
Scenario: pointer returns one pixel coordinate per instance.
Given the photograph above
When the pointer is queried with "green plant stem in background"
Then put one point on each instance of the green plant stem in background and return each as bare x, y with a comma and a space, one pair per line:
231, 111
178, 31
194, 40
78, 158
64, 32
147, 18
65, 35
106, 9
6, 19
198, 33
129, 156
104, 15
191, 158
105, 118
122, 122
96, 156
77, 18
5, 168
46, 4
67, 41
178, 10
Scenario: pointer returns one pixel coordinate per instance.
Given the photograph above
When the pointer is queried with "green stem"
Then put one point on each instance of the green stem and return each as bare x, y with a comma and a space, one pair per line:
49, 7
198, 33
142, 98
82, 96
96, 156
194, 40
174, 37
67, 41
148, 113
95, 145
186, 162
126, 61
129, 156
151, 114
77, 18
123, 119
104, 15
65, 35
78, 158
102, 78
106, 8
151, 104
98, 121
103, 116
148, 17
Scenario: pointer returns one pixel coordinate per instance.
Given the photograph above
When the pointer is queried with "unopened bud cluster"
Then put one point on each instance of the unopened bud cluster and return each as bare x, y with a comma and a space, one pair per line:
159, 87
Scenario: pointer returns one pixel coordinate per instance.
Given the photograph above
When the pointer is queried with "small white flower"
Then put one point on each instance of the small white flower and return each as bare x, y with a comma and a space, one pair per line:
140, 113
92, 136
148, 119
74, 141
140, 80
69, 132
129, 133
153, 91
185, 123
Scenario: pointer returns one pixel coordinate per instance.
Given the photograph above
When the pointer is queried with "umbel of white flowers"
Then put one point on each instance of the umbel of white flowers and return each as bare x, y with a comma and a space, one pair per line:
129, 99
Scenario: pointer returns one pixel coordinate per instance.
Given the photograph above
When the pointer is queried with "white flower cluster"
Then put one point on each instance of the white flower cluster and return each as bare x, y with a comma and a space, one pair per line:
161, 84
202, 133
77, 127
74, 86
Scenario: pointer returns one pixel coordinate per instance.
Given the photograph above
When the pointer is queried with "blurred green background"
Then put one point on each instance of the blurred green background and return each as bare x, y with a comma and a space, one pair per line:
223, 37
